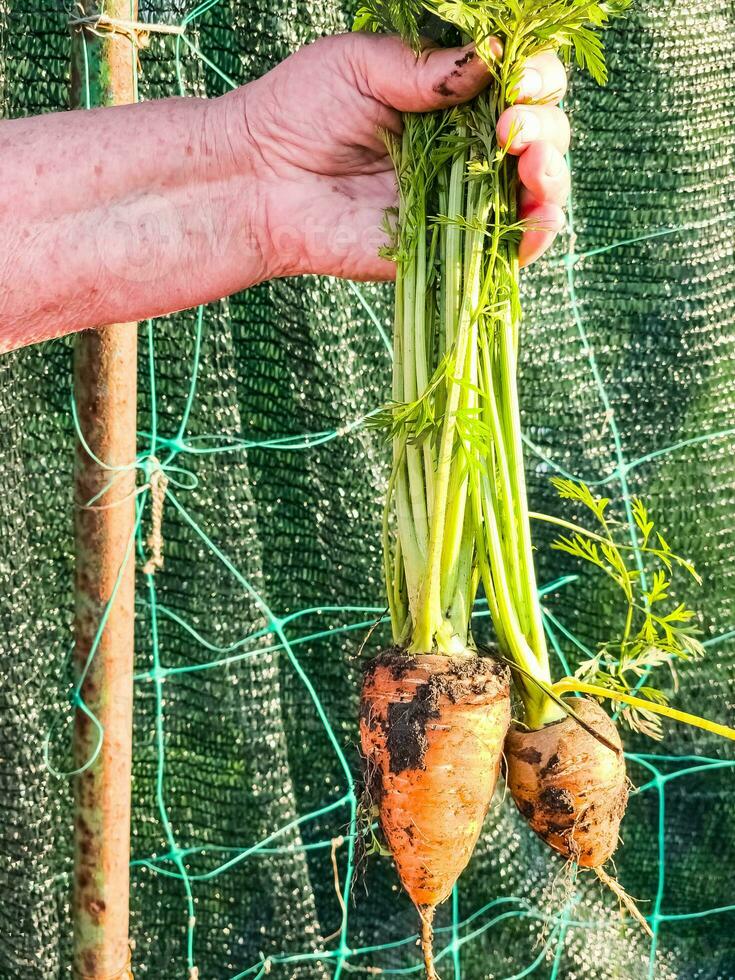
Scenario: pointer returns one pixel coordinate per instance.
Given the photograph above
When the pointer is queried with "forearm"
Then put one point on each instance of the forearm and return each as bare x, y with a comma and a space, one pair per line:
125, 213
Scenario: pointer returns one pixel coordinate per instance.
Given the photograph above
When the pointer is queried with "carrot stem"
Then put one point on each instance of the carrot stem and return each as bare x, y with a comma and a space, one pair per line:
429, 613
459, 485
571, 684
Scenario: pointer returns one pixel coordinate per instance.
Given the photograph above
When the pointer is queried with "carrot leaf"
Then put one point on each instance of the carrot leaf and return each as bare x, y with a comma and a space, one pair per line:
659, 629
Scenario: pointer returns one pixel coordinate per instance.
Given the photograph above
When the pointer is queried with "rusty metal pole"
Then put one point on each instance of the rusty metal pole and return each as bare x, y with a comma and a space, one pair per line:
103, 74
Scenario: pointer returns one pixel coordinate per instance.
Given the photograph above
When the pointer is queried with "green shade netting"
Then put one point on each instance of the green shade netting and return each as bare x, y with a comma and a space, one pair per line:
248, 641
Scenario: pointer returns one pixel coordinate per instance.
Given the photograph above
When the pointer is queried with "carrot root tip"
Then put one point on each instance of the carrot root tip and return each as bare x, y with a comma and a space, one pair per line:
427, 942
625, 899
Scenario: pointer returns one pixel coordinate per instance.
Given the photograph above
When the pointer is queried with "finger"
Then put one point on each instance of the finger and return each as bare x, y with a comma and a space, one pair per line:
544, 79
389, 120
384, 123
527, 124
544, 222
544, 172
393, 74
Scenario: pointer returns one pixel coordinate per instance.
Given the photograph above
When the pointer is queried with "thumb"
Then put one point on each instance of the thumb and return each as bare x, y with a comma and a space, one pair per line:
434, 79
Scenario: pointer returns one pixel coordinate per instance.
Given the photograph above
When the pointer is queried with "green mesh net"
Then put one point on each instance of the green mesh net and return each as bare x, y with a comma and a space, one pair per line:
248, 643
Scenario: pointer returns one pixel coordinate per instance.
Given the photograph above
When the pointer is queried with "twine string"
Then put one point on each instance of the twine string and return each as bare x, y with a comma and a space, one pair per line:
158, 483
137, 31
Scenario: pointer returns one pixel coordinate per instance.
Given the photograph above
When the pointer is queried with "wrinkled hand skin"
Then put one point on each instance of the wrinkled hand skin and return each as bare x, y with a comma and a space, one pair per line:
176, 202
324, 176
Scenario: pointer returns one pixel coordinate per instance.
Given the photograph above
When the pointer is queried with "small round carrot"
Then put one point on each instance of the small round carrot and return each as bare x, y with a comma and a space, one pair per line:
432, 731
570, 786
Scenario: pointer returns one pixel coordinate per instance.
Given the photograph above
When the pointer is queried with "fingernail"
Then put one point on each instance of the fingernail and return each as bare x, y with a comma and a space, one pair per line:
530, 127
530, 84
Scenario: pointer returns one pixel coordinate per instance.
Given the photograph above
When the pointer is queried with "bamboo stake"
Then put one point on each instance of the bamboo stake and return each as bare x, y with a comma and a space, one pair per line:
103, 73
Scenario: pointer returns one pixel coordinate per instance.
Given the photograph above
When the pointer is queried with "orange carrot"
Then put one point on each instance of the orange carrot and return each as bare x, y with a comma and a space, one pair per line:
432, 730
570, 786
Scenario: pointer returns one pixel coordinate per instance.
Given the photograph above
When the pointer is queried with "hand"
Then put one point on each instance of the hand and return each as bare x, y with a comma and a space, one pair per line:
177, 202
324, 175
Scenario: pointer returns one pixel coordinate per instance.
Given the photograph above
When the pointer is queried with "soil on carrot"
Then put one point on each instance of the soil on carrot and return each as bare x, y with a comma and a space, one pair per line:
406, 722
432, 729
406, 730
569, 786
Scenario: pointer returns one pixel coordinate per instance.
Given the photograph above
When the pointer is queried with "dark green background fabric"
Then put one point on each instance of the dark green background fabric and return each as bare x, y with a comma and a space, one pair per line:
245, 751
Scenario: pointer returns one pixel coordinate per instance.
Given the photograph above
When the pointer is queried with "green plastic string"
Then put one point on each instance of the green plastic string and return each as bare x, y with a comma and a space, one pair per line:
373, 316
634, 464
648, 236
378, 616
